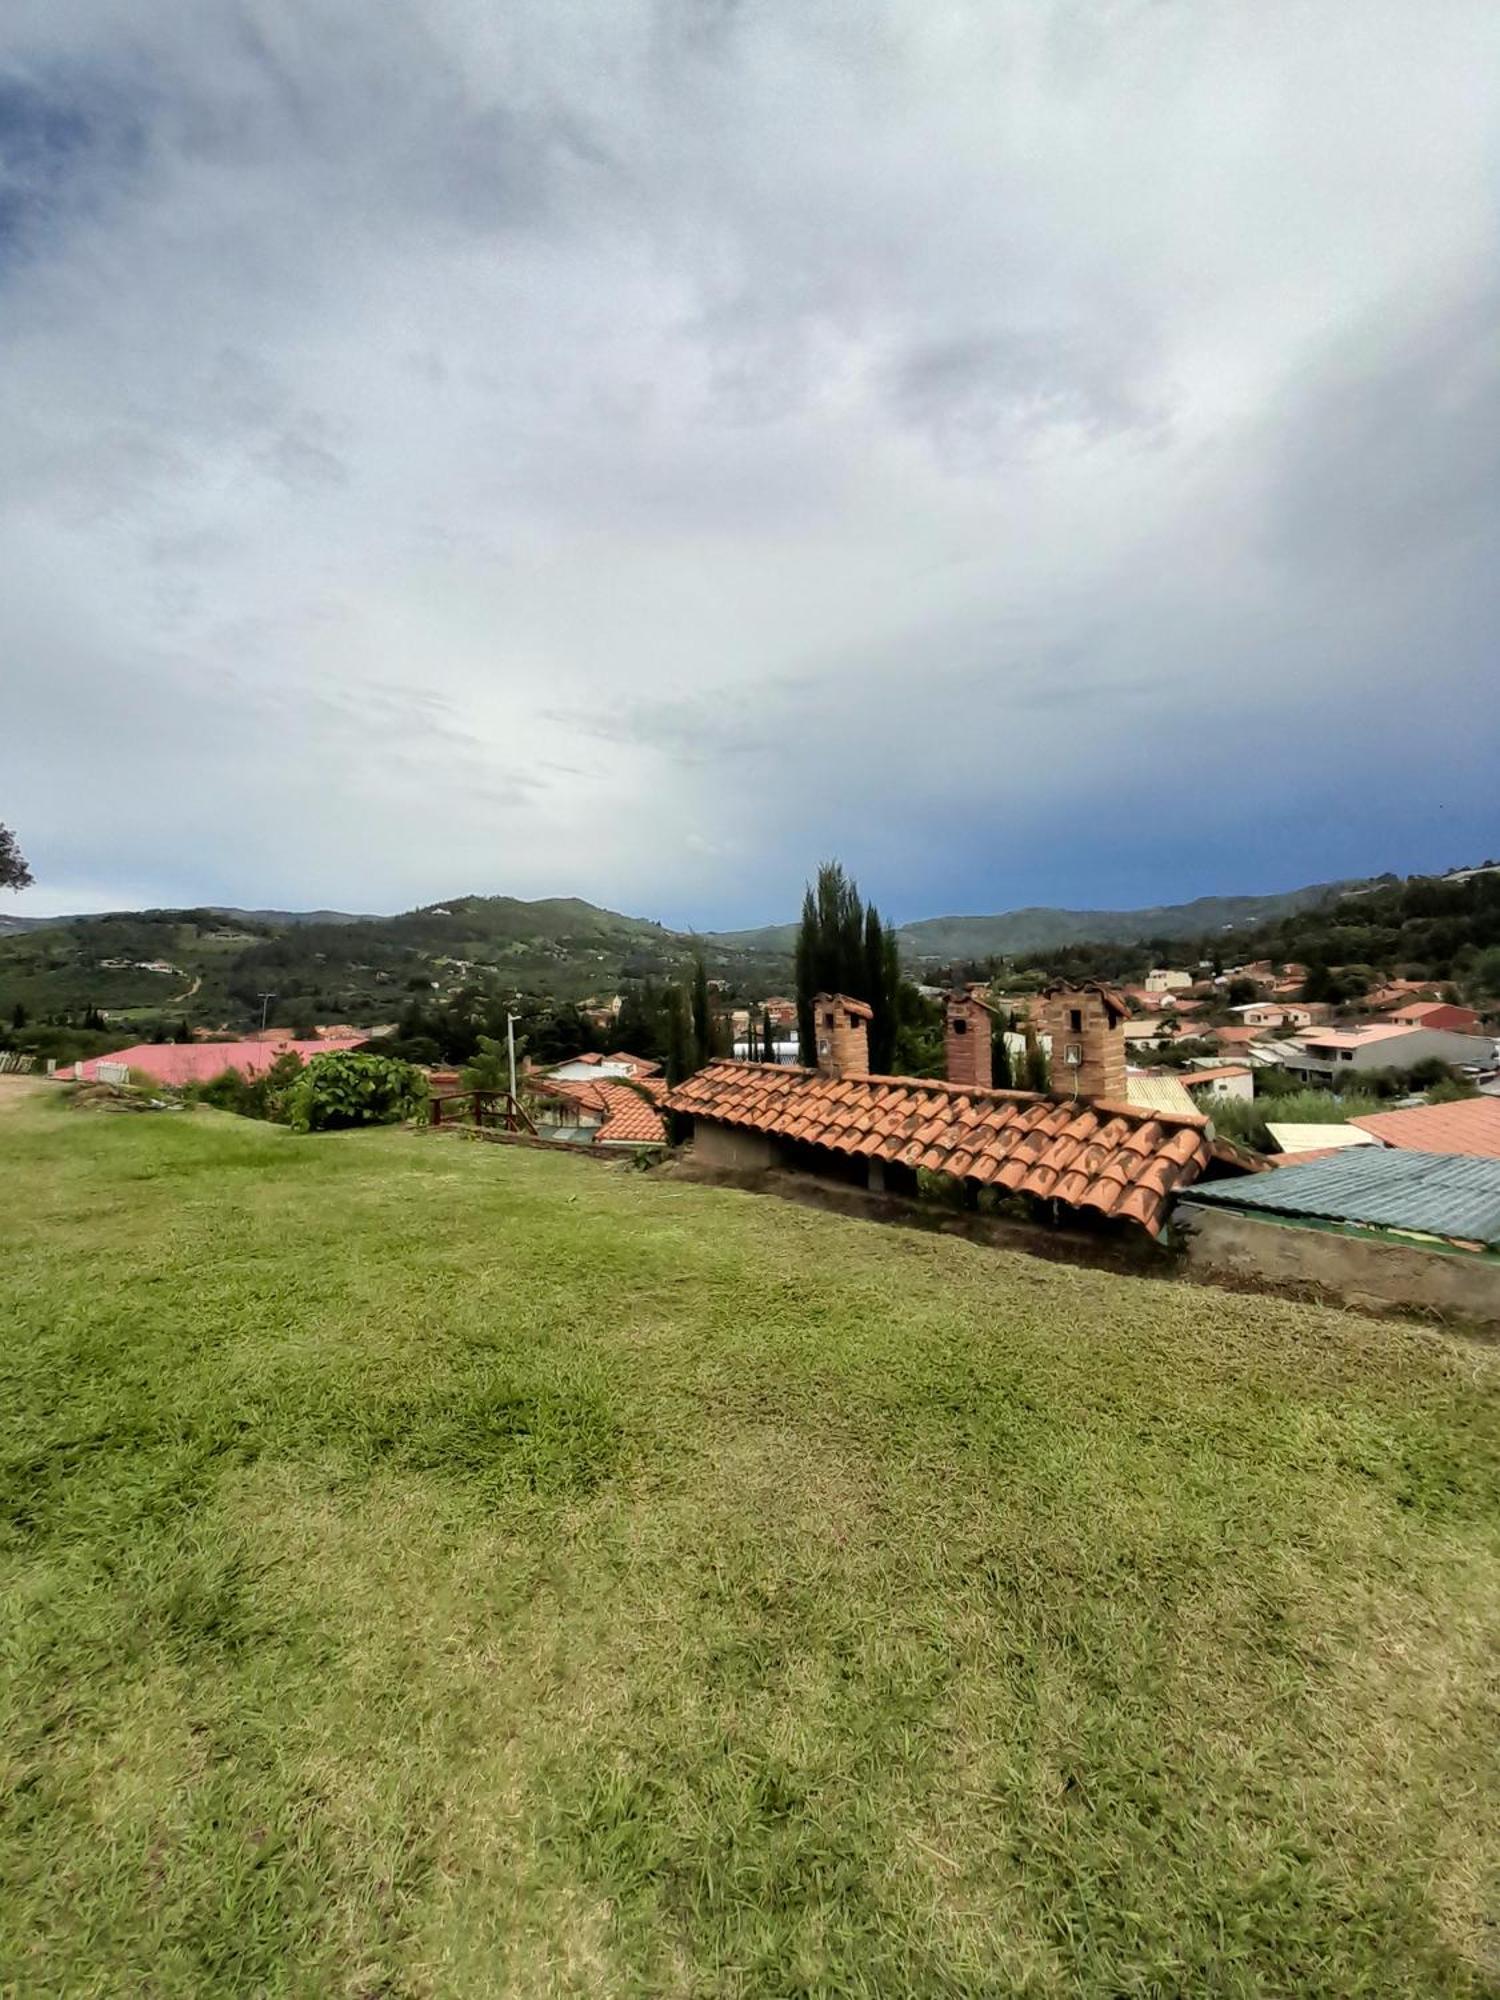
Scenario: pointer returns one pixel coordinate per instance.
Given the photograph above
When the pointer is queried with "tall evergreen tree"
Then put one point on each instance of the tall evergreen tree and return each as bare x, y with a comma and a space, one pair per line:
1001, 1051
703, 1019
767, 1037
844, 948
679, 1036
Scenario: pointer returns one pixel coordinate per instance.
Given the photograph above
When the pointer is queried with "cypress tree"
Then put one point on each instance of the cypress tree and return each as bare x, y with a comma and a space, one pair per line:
1001, 1049
679, 1037
703, 1020
844, 948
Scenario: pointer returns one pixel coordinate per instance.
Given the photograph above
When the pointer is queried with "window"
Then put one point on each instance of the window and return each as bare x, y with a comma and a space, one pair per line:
828, 1020
960, 1026
1075, 1020
854, 1020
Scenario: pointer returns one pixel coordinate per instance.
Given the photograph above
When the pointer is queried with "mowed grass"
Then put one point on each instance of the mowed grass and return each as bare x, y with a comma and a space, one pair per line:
433, 1569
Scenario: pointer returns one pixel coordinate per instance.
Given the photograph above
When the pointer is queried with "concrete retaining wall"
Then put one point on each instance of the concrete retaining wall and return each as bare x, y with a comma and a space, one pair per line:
727, 1149
1364, 1271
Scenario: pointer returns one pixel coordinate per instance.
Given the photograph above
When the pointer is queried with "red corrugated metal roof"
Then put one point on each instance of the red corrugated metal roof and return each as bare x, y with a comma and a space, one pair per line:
177, 1063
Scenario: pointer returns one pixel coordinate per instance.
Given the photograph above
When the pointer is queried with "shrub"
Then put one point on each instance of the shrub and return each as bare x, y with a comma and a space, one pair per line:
1246, 1120
337, 1091
262, 1096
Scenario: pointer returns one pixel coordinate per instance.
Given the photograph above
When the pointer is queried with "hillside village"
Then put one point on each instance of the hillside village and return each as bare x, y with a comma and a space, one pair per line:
1118, 1084
1127, 1340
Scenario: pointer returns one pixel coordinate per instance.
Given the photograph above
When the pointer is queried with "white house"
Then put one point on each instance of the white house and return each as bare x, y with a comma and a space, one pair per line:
1276, 1014
1317, 1054
1163, 979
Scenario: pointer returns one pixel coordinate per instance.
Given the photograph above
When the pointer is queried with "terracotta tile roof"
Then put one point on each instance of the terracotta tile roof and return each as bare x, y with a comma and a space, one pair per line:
629, 1117
1471, 1126
1115, 1158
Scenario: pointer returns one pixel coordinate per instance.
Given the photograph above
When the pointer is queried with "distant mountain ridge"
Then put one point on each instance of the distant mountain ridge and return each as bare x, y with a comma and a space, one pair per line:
1036, 928
1042, 927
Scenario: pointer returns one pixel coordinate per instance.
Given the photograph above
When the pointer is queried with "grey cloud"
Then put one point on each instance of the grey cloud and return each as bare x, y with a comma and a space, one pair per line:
1390, 450
444, 432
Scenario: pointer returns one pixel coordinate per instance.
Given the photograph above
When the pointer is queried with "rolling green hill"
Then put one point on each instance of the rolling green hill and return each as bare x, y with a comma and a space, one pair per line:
214, 965
1040, 927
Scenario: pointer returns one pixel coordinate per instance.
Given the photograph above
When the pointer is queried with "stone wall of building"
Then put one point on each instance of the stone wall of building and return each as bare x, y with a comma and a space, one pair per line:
1363, 1271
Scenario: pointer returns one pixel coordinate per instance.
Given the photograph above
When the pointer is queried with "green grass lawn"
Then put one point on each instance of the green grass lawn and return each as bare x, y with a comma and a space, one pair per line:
432, 1569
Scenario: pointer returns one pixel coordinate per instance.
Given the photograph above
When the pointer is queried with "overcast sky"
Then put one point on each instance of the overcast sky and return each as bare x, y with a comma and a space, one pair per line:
1037, 450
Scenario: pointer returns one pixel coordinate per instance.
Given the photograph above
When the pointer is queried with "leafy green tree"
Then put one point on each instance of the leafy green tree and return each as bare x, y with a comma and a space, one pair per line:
14, 874
1036, 1071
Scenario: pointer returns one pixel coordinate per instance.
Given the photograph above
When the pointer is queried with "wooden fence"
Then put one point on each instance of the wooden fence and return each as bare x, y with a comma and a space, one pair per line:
479, 1110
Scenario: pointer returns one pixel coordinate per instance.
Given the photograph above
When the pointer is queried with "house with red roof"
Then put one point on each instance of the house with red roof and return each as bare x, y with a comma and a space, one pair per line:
1435, 1014
599, 1111
1083, 1149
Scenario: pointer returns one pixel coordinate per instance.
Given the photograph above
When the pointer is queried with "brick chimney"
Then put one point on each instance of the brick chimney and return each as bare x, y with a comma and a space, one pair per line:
1087, 1026
841, 1032
968, 1054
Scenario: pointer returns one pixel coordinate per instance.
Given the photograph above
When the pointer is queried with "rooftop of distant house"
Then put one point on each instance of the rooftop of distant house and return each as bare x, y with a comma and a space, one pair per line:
177, 1063
1358, 1037
629, 1111
1471, 1126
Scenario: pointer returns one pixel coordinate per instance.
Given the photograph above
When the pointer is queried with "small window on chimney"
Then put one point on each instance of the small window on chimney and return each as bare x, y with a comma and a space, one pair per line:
854, 1020
1075, 1020
960, 1027
828, 1020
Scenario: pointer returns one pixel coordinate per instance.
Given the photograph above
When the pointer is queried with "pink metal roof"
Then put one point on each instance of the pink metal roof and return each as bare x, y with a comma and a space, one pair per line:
199, 1062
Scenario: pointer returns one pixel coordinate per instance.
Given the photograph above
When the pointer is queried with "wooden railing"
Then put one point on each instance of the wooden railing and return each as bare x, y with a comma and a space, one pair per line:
480, 1111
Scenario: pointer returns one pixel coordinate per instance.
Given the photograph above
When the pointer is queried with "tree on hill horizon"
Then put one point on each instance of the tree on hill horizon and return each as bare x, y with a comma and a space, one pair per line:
14, 873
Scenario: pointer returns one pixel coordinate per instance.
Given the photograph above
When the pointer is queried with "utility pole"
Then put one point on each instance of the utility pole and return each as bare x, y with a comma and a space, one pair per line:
265, 1005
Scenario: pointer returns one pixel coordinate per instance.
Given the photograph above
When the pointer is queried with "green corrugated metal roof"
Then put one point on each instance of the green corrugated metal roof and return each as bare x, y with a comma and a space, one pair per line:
1440, 1194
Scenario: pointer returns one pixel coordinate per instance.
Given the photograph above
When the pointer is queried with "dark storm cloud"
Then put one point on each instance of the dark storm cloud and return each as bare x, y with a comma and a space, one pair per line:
967, 438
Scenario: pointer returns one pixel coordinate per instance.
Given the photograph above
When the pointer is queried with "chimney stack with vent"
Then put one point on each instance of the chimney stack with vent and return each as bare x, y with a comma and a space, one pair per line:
968, 1052
1087, 1026
841, 1031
